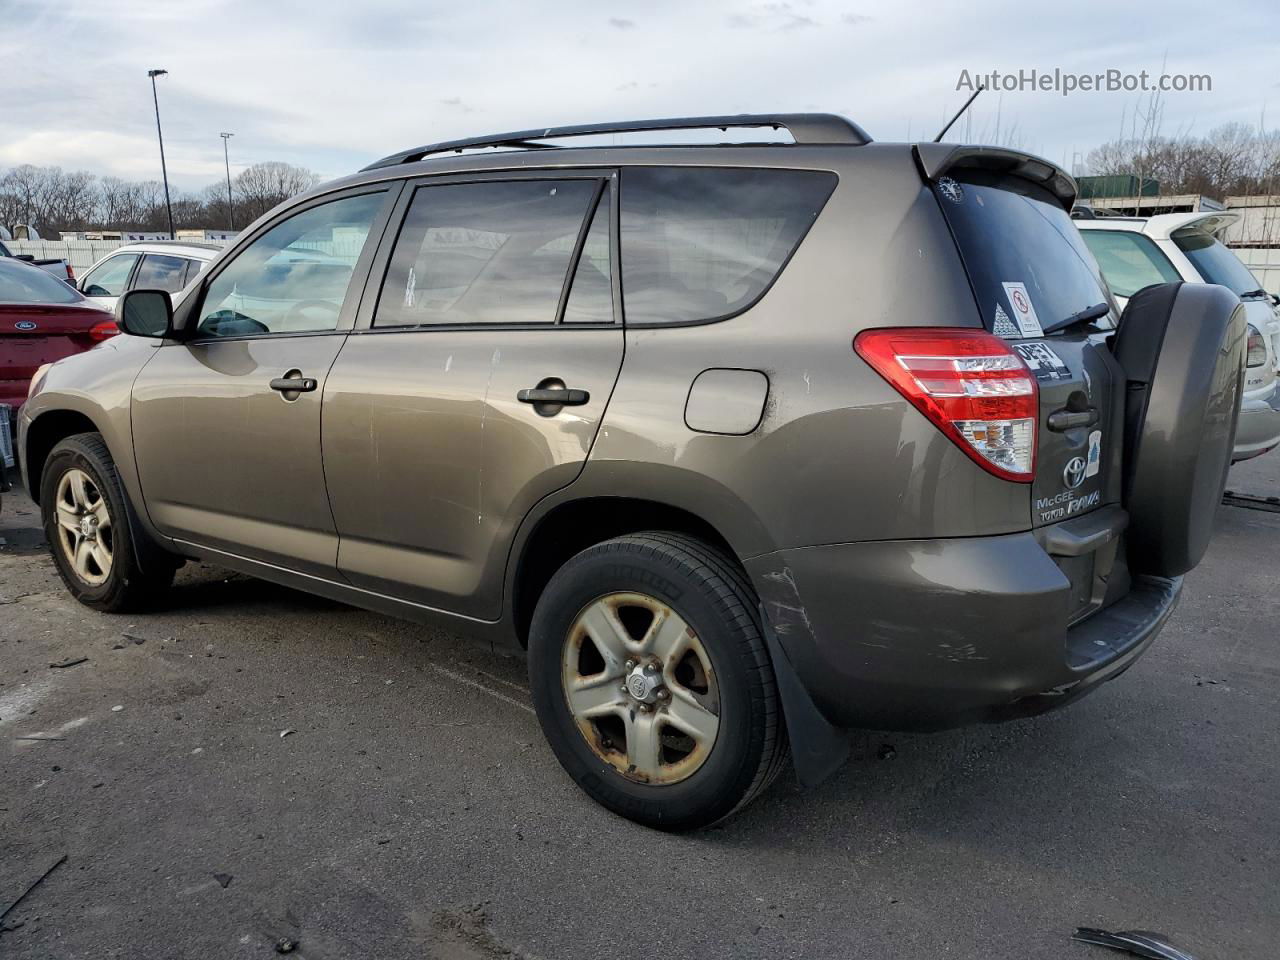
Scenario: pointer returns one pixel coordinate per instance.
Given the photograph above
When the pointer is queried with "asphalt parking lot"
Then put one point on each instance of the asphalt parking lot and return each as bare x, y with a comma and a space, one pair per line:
251, 764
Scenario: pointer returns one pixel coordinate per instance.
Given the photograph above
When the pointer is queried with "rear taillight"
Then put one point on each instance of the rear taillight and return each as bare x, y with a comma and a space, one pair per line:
1257, 355
103, 331
71, 275
972, 385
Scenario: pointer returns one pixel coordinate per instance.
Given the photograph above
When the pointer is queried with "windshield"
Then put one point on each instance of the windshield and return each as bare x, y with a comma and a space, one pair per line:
1215, 263
20, 283
1028, 265
1129, 260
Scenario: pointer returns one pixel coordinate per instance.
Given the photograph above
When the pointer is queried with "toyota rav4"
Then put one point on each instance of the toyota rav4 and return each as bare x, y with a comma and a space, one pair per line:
742, 443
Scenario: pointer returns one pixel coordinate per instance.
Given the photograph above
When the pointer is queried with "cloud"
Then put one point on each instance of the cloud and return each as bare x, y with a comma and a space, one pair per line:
334, 88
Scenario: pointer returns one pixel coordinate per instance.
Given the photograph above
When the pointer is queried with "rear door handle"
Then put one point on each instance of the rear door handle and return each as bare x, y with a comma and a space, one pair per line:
1063, 420
293, 384
560, 397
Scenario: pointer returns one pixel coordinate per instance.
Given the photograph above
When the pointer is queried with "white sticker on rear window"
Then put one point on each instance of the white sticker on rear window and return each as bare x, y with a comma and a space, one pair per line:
1002, 326
1024, 314
1094, 459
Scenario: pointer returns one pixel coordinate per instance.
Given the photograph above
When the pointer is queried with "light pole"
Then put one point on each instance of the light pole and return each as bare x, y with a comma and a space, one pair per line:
168, 205
226, 158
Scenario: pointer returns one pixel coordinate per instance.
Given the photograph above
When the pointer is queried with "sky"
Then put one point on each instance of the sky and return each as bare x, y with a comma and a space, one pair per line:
334, 84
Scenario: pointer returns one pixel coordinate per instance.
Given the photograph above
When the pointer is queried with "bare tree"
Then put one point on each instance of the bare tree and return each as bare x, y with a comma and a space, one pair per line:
1230, 159
53, 199
264, 185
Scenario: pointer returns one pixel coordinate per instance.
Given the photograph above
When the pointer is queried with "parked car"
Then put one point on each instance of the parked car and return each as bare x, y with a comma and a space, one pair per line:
42, 320
54, 267
151, 265
742, 444
1136, 251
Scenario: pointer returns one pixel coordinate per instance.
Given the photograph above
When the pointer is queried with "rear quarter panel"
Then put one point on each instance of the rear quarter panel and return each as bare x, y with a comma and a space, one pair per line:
838, 456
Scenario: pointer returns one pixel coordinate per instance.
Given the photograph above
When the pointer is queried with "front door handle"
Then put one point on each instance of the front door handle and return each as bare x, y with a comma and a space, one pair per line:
293, 384
562, 396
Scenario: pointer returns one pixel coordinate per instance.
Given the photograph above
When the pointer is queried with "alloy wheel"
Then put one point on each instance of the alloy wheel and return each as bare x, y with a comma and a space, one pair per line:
84, 530
641, 688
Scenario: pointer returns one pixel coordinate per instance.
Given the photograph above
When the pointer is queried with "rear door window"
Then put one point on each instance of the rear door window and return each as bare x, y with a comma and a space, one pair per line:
700, 244
160, 272
1128, 260
496, 252
1028, 264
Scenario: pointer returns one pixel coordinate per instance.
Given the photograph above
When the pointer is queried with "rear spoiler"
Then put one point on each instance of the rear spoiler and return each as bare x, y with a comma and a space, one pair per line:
1210, 222
937, 159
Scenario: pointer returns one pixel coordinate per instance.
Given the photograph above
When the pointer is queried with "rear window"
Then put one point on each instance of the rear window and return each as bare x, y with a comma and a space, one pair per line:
1026, 260
1129, 261
1216, 264
20, 283
701, 244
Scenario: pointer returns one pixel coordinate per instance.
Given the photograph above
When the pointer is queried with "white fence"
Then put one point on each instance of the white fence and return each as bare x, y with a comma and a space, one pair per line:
81, 254
1265, 264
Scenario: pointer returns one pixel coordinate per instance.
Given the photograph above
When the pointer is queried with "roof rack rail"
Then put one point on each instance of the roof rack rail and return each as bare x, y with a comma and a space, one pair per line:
805, 128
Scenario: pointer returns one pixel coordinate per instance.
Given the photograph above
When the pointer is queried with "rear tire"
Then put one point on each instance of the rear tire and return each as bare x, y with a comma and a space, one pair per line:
82, 504
698, 731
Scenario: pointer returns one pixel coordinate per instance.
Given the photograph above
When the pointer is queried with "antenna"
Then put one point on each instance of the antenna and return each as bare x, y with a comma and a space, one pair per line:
972, 97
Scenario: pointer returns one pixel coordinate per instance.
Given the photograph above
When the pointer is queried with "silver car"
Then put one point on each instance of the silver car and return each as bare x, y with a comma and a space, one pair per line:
146, 265
1136, 251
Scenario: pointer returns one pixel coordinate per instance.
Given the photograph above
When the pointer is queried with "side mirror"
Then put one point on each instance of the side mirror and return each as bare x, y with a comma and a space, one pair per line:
145, 313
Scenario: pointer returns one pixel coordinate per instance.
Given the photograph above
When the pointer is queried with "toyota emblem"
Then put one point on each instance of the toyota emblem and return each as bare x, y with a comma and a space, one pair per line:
1073, 472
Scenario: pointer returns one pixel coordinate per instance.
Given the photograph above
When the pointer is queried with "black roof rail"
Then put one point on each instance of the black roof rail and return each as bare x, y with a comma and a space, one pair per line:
805, 128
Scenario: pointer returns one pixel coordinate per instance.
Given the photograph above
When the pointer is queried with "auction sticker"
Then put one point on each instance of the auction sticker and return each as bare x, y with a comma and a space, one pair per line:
1024, 314
1043, 361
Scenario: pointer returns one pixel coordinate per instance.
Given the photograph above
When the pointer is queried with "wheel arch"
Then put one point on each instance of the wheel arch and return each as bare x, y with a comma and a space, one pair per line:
571, 526
46, 431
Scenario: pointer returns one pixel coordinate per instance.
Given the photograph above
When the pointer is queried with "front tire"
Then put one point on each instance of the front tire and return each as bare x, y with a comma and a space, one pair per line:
652, 681
86, 523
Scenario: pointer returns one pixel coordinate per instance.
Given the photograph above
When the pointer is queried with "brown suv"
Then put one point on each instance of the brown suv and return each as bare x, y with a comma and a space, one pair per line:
743, 443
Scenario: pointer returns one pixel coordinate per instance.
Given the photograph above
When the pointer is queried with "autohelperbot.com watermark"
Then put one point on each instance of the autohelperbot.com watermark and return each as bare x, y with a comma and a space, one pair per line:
1066, 82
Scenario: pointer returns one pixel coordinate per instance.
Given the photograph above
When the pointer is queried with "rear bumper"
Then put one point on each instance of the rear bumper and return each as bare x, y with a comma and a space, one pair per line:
1258, 429
926, 635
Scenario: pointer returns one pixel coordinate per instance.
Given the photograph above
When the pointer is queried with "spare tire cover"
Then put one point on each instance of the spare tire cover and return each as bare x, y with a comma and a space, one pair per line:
1182, 349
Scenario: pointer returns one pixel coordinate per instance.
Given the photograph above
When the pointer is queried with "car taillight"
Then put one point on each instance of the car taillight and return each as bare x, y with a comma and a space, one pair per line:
970, 384
103, 331
1257, 348
71, 274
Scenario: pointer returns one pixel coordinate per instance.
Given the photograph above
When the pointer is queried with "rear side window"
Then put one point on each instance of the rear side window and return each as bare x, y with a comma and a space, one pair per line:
160, 272
701, 244
1216, 264
493, 252
1028, 265
1129, 261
